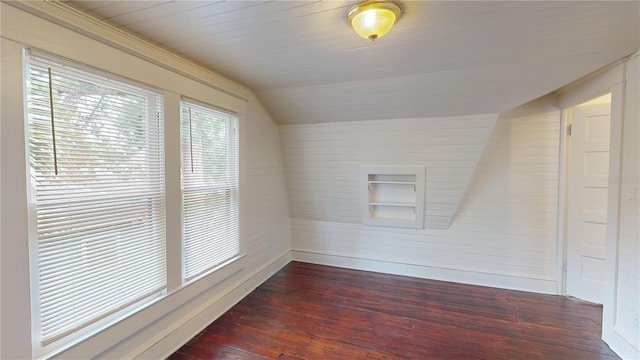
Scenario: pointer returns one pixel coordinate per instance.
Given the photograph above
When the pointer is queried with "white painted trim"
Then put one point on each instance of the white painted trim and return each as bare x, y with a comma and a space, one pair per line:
171, 339
62, 41
616, 342
612, 80
173, 190
544, 286
418, 172
591, 87
70, 18
619, 345
16, 269
563, 192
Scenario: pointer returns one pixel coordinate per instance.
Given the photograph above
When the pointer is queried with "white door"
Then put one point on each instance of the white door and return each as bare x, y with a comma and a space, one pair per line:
588, 188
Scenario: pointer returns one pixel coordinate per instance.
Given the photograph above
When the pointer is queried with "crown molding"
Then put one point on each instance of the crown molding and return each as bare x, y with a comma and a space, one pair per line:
70, 18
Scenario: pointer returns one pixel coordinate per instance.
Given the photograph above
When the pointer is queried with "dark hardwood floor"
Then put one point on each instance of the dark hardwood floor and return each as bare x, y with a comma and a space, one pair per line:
309, 311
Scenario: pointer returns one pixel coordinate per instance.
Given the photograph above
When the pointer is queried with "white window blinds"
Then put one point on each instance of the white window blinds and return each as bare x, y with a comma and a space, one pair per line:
209, 187
97, 179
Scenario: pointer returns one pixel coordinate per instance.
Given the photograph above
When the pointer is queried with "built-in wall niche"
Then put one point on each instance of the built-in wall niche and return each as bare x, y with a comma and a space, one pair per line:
393, 196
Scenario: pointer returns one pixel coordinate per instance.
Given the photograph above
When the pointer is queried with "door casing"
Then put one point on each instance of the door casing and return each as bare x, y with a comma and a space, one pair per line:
574, 192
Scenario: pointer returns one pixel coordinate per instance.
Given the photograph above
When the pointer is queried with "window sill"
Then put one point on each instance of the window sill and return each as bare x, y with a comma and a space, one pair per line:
210, 273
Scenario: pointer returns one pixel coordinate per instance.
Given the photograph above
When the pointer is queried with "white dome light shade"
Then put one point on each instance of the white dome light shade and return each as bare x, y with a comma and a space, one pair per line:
373, 19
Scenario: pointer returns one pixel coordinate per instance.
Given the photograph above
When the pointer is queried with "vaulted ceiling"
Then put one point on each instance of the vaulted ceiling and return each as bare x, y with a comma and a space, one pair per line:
442, 58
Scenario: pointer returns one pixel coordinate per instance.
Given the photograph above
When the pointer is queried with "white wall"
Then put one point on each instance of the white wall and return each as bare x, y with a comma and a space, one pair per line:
628, 272
264, 222
621, 327
323, 162
503, 231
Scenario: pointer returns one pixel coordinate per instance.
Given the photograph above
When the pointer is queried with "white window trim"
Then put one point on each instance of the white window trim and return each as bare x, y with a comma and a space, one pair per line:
58, 345
233, 160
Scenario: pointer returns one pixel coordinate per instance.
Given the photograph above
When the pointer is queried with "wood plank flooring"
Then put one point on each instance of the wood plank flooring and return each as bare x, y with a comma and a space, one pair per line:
308, 311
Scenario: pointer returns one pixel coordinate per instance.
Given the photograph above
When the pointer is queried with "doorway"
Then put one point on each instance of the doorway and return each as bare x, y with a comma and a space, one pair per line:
587, 198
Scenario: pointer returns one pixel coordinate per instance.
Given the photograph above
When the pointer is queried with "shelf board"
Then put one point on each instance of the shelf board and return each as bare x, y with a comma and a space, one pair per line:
377, 203
393, 196
392, 182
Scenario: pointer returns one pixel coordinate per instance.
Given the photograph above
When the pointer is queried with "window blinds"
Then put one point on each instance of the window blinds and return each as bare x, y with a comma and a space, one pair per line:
97, 179
209, 187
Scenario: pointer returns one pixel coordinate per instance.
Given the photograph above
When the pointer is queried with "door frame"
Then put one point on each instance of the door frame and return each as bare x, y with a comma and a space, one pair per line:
566, 180
608, 81
563, 198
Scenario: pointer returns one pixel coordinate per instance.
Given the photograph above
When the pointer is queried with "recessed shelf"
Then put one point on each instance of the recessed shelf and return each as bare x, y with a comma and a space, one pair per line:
393, 196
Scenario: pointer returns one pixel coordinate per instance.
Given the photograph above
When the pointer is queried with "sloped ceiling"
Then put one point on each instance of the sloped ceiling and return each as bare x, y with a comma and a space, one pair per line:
441, 59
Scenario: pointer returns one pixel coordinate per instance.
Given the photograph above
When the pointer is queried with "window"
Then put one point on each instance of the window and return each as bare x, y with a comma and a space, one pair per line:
209, 188
96, 155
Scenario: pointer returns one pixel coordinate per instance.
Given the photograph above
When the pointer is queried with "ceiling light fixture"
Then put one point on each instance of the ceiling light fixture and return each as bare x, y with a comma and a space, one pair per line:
373, 19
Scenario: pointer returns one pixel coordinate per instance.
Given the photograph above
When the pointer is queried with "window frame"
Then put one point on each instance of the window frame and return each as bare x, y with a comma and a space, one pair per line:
153, 111
232, 164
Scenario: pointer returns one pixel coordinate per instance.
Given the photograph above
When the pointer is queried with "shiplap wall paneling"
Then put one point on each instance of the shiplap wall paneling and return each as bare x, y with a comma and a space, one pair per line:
496, 228
323, 162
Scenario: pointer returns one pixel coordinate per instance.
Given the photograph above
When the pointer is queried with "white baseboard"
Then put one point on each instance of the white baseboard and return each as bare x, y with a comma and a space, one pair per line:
619, 344
169, 340
426, 272
201, 317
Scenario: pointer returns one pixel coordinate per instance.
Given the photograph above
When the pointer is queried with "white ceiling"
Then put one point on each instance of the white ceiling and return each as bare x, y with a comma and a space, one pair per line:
441, 58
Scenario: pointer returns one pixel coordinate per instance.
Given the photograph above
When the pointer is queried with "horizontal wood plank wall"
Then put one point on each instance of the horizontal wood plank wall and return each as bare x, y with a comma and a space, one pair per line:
264, 220
323, 160
503, 232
